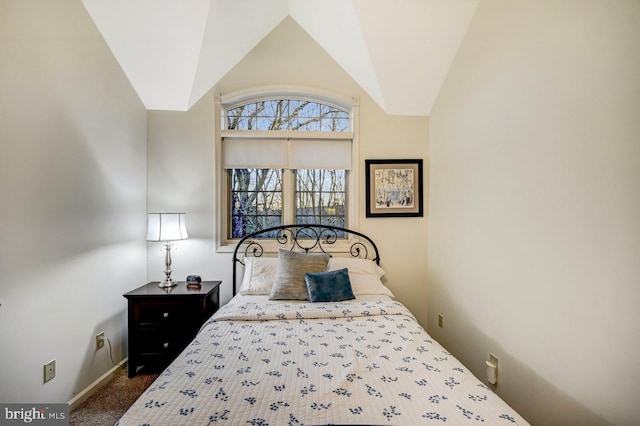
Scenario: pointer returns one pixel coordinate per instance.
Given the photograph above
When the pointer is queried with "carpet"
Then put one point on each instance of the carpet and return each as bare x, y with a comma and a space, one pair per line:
109, 403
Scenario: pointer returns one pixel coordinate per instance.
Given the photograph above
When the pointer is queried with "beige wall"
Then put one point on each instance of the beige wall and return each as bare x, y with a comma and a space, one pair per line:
534, 244
181, 145
73, 190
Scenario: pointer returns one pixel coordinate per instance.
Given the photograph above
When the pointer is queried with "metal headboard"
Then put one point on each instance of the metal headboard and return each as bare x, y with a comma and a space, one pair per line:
307, 238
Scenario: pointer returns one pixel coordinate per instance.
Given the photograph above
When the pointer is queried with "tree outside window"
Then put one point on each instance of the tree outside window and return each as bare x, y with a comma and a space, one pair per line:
259, 198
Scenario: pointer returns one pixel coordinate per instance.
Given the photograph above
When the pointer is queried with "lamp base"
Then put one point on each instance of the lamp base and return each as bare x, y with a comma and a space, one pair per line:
167, 284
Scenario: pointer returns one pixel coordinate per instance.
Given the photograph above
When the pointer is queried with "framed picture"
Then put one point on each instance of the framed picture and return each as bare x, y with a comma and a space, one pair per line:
394, 188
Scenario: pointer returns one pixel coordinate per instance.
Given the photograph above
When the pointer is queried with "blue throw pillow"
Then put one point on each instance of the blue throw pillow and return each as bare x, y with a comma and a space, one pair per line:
332, 286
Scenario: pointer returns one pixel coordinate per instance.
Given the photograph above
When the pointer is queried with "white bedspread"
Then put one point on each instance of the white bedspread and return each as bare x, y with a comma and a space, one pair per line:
358, 362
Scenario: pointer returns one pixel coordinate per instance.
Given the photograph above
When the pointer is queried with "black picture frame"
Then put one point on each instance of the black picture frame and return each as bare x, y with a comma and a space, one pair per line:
394, 188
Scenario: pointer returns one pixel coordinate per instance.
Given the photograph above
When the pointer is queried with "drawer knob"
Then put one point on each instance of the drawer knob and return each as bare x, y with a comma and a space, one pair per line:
166, 315
166, 345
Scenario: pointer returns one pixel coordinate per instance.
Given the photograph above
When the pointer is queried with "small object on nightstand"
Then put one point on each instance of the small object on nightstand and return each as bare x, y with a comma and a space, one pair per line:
193, 281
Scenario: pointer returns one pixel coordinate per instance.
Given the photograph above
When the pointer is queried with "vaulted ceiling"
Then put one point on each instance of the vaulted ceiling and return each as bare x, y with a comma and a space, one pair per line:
174, 51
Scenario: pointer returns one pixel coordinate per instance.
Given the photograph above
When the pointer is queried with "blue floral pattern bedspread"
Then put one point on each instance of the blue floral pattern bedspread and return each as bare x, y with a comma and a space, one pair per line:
312, 364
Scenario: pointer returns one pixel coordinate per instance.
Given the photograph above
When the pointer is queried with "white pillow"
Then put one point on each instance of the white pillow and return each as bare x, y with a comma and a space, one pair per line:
259, 275
364, 275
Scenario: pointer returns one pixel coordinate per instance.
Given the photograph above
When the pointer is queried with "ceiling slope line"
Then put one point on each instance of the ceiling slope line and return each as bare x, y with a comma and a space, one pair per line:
174, 51
334, 26
230, 20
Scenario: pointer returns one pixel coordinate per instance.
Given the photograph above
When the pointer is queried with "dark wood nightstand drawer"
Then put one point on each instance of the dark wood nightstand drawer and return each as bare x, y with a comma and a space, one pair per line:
158, 313
155, 342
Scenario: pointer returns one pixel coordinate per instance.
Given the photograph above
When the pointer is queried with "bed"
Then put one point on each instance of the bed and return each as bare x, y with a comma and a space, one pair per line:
359, 357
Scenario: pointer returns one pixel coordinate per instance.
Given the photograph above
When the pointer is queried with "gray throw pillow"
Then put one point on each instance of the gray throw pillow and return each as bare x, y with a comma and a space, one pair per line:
290, 284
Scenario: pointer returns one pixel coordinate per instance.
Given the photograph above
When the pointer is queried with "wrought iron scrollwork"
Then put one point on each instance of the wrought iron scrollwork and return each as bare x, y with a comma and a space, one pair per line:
254, 248
356, 249
307, 238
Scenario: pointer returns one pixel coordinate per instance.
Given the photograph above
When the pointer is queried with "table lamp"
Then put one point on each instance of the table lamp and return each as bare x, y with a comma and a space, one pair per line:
166, 228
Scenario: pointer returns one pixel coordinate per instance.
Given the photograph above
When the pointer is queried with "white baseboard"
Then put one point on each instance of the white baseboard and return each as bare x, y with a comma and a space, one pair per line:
85, 393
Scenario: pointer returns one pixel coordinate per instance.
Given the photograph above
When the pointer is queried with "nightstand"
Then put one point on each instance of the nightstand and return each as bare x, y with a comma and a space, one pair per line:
162, 322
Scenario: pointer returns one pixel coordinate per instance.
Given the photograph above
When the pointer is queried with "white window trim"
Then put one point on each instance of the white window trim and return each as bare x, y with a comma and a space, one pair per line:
227, 245
283, 134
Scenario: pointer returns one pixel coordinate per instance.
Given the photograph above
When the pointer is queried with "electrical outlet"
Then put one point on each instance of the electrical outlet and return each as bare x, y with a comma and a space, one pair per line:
440, 321
100, 340
49, 370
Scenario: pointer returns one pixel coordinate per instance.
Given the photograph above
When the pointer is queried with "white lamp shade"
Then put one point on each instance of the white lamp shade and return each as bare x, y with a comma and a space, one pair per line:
166, 227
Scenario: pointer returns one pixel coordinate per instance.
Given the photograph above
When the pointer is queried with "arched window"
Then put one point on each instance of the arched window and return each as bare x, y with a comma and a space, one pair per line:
288, 114
287, 158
